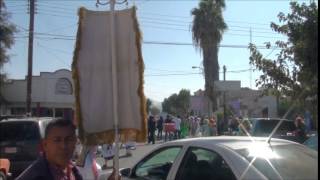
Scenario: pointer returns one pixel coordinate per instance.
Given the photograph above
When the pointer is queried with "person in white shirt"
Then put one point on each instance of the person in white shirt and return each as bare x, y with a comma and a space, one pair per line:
177, 122
108, 152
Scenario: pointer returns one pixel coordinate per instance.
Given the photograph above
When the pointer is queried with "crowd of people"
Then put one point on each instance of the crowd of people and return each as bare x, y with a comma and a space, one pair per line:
171, 127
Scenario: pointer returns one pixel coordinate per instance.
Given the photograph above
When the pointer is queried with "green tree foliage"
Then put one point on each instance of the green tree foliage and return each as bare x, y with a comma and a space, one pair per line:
7, 30
295, 70
177, 104
208, 27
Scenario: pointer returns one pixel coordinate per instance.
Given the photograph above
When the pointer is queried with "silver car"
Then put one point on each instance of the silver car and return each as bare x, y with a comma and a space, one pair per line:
226, 158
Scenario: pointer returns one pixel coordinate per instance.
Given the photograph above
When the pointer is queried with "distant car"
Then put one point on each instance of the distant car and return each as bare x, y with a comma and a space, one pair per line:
20, 141
226, 158
312, 142
262, 127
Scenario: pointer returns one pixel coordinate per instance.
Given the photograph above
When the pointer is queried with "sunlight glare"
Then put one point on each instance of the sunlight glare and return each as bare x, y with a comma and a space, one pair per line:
262, 150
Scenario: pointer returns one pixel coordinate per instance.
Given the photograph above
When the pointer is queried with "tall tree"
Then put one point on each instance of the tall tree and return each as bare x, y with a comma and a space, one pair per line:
177, 104
294, 72
7, 30
208, 27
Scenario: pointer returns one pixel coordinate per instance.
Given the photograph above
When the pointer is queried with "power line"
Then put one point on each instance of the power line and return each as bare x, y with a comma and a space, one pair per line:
181, 74
162, 43
58, 10
185, 17
55, 35
57, 7
226, 34
56, 15
188, 44
62, 28
184, 24
58, 58
56, 3
164, 28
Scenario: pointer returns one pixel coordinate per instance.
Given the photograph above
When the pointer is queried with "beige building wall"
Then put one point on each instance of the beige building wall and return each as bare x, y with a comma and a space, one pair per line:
50, 90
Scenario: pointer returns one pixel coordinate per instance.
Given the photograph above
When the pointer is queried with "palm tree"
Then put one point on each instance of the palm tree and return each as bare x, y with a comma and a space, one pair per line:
208, 27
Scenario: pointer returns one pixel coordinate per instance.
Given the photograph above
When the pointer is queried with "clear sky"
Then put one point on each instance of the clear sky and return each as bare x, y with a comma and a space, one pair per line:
168, 68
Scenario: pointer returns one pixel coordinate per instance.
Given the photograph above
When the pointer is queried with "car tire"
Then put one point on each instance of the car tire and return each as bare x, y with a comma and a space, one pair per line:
2, 176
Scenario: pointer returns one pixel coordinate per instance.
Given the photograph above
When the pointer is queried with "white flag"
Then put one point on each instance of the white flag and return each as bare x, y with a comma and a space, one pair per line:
93, 77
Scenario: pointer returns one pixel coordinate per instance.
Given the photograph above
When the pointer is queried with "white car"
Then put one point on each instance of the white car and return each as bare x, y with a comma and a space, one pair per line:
226, 158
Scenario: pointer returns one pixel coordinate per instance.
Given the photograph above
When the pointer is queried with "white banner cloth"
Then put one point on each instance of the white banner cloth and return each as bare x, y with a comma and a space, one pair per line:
92, 71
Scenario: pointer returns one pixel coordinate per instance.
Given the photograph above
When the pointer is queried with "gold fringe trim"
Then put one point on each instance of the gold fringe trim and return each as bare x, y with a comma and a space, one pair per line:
142, 136
75, 76
108, 136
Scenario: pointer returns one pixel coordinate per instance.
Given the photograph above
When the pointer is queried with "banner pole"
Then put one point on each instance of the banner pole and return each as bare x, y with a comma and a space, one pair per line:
114, 88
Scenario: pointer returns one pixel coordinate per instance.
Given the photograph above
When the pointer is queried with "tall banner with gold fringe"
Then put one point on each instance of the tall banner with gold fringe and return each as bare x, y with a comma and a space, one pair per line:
92, 76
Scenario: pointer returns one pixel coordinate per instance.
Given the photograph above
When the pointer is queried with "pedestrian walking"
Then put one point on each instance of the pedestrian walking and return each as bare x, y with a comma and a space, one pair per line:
160, 127
168, 128
151, 129
194, 126
177, 123
213, 126
108, 152
300, 130
205, 130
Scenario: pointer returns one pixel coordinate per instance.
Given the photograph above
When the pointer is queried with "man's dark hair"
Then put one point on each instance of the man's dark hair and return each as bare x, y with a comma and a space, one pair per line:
58, 123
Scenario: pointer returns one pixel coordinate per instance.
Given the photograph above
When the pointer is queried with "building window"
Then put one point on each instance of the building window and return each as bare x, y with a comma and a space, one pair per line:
63, 86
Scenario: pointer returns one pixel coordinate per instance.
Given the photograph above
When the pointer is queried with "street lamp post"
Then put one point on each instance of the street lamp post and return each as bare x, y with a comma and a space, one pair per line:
224, 98
208, 106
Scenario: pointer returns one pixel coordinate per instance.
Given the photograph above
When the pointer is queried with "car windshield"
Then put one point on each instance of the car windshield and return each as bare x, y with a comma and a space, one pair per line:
265, 127
287, 161
19, 131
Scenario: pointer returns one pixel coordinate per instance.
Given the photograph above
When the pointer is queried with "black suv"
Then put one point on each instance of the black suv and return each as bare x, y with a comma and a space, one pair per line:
20, 141
264, 126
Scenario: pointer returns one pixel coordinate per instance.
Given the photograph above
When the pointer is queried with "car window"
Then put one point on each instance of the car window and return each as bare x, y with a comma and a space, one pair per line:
157, 165
19, 131
286, 161
199, 163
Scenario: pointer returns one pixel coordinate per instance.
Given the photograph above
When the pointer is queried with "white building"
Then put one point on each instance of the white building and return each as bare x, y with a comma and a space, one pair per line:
52, 95
243, 101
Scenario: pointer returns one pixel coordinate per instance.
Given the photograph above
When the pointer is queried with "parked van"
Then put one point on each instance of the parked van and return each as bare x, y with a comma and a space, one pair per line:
20, 141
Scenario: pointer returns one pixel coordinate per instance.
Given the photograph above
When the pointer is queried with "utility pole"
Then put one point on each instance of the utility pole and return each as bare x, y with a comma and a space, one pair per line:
224, 98
30, 56
1, 1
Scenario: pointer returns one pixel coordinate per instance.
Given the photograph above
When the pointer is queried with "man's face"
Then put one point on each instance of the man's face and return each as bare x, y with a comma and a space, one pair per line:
59, 145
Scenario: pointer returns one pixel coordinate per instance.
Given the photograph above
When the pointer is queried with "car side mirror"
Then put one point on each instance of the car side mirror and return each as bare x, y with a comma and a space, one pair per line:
125, 172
